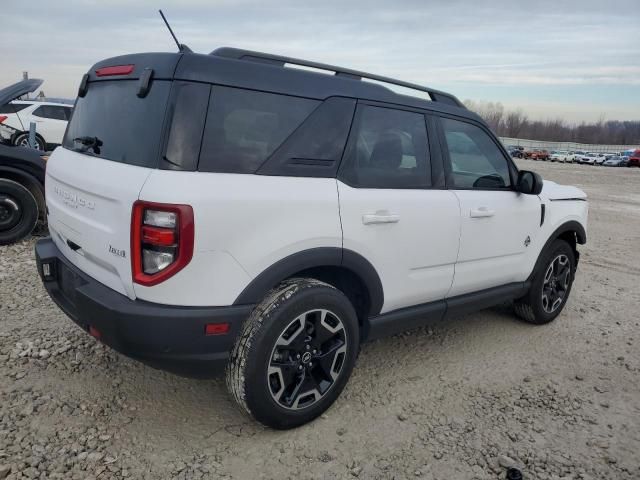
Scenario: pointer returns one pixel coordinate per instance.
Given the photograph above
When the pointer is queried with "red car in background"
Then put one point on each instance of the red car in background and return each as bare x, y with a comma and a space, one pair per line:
634, 159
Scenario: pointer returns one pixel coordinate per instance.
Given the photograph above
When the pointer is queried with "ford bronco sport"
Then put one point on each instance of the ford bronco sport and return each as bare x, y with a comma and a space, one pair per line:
234, 211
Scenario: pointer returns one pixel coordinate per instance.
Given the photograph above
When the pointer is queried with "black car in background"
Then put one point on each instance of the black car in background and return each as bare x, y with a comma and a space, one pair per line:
21, 179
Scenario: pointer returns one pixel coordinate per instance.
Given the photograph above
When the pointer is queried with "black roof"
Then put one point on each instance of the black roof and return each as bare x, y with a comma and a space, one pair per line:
267, 72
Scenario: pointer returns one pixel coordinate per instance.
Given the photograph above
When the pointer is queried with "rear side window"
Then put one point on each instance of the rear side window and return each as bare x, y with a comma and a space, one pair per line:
128, 127
185, 135
387, 149
13, 107
50, 111
245, 127
475, 159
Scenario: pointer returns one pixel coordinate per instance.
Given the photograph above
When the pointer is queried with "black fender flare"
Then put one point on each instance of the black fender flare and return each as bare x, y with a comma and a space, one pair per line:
570, 226
311, 258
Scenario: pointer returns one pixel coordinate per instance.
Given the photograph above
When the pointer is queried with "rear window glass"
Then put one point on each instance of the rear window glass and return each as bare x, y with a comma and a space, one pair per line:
13, 107
128, 128
245, 127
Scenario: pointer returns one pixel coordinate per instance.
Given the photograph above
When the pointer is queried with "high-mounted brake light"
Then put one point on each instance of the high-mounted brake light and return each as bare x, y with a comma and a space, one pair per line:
115, 70
162, 238
3, 118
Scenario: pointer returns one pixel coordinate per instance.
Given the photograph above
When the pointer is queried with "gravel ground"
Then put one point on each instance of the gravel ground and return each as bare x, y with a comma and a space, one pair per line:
462, 399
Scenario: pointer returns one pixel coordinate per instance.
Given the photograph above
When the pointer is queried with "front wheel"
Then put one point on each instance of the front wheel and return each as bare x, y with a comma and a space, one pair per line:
550, 286
295, 354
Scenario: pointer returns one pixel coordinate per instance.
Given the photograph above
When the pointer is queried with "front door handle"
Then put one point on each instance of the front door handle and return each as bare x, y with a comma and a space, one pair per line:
381, 216
482, 212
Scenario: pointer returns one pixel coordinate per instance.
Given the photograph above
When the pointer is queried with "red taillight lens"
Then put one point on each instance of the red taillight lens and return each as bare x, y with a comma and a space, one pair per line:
165, 237
115, 70
3, 118
162, 238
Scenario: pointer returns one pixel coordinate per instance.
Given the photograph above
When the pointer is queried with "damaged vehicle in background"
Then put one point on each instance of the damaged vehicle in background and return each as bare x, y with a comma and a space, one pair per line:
22, 172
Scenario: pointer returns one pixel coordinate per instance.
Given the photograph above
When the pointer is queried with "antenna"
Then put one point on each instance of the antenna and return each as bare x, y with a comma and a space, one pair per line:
181, 46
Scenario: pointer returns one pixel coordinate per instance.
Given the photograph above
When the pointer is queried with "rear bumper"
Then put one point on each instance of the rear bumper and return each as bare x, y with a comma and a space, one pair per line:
166, 337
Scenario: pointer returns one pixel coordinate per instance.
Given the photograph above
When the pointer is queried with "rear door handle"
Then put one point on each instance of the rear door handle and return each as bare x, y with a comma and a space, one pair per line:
381, 216
482, 212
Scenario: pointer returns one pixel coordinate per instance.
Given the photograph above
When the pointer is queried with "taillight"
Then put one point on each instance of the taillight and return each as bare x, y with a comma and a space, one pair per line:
161, 241
3, 118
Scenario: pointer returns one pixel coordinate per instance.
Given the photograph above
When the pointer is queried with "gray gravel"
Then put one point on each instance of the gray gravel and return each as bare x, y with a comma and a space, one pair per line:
464, 399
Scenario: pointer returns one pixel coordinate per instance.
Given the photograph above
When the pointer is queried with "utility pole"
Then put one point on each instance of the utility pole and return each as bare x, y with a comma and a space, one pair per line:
25, 76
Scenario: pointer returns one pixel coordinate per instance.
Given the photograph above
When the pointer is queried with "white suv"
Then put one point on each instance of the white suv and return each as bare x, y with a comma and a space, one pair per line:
229, 211
51, 120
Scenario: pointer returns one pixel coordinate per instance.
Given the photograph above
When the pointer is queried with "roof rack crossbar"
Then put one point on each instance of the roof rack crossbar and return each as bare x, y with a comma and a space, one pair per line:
240, 54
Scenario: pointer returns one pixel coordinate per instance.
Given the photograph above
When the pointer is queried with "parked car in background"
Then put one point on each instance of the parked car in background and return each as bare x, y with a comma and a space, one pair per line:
22, 172
559, 156
51, 120
616, 161
587, 159
634, 158
573, 156
516, 151
538, 155
600, 158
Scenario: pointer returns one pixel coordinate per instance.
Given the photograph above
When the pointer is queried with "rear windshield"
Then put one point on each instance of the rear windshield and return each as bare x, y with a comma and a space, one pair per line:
112, 122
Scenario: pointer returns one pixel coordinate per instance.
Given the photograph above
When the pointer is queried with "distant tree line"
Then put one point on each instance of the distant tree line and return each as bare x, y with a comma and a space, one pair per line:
516, 124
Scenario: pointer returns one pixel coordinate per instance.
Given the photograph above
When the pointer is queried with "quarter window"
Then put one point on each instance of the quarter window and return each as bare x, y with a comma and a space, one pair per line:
475, 159
387, 149
13, 107
245, 127
50, 111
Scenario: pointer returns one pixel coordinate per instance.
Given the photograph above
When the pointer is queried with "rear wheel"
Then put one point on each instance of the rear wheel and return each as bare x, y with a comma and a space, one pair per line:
295, 354
550, 287
22, 140
18, 211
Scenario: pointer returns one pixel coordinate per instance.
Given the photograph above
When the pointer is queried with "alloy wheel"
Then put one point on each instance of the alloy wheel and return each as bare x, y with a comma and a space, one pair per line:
307, 359
556, 283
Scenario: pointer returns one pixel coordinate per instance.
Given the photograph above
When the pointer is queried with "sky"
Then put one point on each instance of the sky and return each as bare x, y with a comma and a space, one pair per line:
573, 60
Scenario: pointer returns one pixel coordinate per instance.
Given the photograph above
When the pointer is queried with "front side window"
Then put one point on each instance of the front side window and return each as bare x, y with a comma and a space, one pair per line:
387, 148
245, 127
475, 159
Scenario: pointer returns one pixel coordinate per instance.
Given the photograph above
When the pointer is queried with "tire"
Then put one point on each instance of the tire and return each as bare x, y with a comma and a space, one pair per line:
274, 357
550, 289
18, 211
23, 141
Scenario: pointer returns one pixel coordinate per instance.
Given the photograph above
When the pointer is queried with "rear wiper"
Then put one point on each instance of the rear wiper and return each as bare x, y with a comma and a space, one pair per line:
93, 143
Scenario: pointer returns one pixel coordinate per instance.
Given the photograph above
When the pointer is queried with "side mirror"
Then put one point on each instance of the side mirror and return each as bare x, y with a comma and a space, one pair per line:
529, 183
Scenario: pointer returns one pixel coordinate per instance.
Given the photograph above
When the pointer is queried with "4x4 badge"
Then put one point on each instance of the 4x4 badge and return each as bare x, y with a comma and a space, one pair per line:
117, 252
527, 241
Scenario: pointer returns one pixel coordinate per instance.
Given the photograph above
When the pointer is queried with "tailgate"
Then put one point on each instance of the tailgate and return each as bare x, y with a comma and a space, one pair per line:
89, 203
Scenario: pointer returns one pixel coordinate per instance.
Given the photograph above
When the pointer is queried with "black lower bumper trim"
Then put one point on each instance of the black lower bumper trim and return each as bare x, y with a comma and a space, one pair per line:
167, 337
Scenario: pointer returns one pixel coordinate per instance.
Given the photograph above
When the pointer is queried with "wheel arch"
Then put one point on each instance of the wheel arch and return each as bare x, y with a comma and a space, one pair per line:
573, 232
346, 270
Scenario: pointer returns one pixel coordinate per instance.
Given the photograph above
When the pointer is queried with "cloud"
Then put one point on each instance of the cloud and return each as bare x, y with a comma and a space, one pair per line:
461, 46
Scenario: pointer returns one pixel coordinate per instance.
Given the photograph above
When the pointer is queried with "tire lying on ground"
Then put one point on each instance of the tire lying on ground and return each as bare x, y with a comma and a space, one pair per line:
18, 211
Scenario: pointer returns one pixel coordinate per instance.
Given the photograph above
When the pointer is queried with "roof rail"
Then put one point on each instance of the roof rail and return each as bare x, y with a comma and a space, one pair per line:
239, 54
